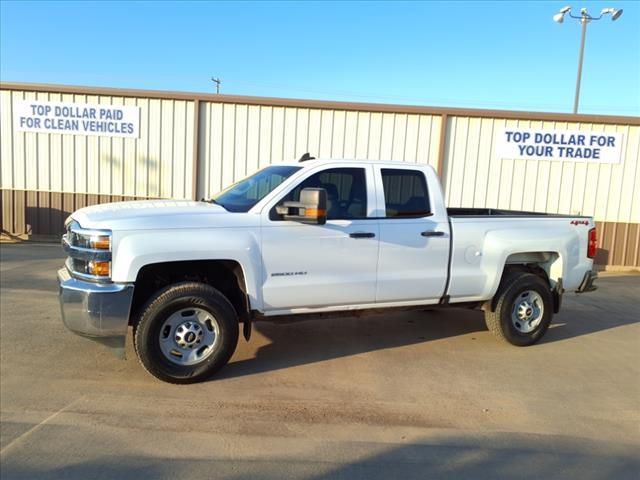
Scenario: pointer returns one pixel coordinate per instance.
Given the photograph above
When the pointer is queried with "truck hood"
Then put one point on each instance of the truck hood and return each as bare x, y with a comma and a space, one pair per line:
154, 214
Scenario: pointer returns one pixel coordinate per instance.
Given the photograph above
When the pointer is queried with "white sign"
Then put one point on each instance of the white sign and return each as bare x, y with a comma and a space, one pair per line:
564, 145
76, 118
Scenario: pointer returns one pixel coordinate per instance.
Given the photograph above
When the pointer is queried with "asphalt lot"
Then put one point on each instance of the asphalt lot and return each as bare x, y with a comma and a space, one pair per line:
410, 395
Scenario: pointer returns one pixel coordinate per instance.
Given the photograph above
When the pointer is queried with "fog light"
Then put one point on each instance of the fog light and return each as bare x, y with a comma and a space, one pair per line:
100, 269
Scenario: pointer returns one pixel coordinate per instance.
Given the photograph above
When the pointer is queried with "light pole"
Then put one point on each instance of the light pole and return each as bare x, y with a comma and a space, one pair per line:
584, 18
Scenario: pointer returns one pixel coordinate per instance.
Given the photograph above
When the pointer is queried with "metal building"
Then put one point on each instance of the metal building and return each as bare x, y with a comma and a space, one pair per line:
188, 146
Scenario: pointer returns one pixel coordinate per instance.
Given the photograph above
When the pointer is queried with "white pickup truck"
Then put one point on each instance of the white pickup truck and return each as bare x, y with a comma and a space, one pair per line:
315, 237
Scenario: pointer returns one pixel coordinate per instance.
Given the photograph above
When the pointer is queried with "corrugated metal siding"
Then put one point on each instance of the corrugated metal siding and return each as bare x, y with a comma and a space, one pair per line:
44, 177
474, 176
618, 244
157, 164
28, 213
236, 139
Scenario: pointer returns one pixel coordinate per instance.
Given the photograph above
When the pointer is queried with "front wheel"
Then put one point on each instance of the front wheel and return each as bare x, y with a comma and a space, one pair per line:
523, 309
186, 333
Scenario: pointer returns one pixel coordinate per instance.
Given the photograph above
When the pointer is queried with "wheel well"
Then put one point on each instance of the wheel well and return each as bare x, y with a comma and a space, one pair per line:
224, 275
537, 263
527, 268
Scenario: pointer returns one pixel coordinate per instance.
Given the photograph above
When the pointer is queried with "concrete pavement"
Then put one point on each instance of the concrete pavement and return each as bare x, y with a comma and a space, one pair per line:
408, 395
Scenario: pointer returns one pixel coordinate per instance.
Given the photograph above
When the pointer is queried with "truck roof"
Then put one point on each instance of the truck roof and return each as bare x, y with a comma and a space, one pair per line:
322, 161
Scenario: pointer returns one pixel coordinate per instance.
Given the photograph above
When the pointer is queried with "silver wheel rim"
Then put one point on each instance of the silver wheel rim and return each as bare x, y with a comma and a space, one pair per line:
189, 336
527, 311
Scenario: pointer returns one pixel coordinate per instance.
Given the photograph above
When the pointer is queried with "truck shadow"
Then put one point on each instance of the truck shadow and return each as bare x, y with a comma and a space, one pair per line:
310, 341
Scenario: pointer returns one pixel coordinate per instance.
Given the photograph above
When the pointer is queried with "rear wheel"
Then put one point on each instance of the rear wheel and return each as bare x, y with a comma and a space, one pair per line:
186, 333
523, 309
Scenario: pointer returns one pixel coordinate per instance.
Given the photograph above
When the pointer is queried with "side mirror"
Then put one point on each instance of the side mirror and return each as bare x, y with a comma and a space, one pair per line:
311, 209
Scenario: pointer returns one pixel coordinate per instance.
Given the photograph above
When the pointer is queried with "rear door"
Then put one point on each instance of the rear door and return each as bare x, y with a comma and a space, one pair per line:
316, 266
414, 237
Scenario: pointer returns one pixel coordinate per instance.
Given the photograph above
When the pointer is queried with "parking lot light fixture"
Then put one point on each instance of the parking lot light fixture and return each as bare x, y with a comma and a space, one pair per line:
584, 19
558, 17
615, 14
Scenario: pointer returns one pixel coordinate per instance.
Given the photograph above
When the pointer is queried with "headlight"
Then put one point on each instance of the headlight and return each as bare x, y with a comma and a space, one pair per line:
89, 252
90, 240
100, 242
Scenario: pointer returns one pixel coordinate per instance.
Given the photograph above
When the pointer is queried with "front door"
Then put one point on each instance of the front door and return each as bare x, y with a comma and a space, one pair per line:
307, 266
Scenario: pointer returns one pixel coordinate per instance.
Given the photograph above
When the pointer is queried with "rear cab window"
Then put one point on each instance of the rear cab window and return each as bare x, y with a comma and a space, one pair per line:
405, 193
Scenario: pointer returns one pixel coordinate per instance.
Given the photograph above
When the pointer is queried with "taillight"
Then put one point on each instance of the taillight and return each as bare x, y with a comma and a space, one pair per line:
593, 243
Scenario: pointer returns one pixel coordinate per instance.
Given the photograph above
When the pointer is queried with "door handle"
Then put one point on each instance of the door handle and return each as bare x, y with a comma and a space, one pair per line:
432, 233
362, 235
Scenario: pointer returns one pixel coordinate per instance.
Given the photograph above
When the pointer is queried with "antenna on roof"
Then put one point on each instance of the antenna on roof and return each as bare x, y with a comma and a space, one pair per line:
305, 157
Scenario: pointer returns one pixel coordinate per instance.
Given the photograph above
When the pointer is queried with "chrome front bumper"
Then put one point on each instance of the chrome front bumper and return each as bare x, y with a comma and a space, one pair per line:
93, 310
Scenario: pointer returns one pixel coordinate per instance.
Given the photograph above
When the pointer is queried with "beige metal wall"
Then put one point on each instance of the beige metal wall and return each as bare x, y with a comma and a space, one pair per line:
192, 145
153, 165
475, 176
237, 139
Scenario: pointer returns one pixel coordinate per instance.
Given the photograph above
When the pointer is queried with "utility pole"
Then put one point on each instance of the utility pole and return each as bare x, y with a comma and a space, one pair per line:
217, 81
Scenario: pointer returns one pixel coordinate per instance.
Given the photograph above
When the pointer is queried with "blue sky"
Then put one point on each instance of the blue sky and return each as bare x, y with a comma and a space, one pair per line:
504, 55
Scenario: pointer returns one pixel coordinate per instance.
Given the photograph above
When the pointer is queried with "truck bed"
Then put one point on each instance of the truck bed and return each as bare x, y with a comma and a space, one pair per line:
496, 212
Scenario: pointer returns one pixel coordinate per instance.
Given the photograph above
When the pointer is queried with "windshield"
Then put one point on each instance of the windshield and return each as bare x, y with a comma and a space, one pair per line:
243, 195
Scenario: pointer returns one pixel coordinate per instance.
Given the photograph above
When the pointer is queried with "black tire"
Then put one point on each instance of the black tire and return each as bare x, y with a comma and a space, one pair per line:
173, 299
511, 288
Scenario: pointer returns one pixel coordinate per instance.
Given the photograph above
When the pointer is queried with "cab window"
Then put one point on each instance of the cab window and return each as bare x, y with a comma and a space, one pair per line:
346, 192
405, 193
